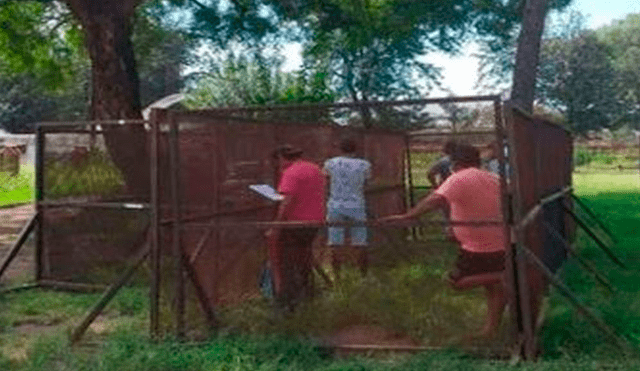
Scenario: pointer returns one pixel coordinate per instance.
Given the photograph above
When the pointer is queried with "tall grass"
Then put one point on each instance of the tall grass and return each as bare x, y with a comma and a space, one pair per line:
96, 174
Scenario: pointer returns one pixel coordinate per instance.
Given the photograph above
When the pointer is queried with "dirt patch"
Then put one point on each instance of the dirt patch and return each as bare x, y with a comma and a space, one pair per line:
12, 220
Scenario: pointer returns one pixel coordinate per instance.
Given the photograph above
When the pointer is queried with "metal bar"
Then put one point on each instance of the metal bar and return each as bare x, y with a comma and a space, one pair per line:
108, 295
384, 188
106, 205
583, 262
176, 201
452, 133
593, 236
39, 196
71, 286
564, 290
215, 215
505, 201
523, 293
154, 292
91, 122
22, 237
535, 210
300, 224
24, 287
201, 243
594, 217
210, 315
409, 180
316, 106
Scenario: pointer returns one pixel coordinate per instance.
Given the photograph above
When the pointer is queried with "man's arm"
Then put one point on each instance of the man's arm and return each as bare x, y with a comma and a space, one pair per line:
429, 203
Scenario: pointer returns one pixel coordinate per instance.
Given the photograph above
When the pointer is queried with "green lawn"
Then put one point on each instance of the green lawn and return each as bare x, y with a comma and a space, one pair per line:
17, 189
570, 341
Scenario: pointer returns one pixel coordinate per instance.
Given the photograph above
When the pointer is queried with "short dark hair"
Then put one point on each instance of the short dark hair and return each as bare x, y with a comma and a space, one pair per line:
449, 147
348, 145
466, 155
287, 151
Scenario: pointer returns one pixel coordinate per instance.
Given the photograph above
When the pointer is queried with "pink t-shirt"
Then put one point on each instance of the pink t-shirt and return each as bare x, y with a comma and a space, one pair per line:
474, 195
304, 182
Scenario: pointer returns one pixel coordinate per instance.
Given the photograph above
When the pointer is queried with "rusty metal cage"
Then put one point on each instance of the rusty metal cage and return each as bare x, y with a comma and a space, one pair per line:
201, 228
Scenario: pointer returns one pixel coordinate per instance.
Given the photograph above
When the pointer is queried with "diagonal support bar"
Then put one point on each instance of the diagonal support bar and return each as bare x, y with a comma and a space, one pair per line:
595, 218
583, 262
564, 290
109, 294
22, 237
600, 243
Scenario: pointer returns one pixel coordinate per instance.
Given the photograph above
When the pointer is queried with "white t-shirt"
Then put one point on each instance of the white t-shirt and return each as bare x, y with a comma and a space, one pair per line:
347, 177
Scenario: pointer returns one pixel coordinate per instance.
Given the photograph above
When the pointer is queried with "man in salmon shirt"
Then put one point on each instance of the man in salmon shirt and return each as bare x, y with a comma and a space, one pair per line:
472, 194
302, 184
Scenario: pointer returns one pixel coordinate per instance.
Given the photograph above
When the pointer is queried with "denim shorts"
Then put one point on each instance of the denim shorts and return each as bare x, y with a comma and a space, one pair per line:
336, 235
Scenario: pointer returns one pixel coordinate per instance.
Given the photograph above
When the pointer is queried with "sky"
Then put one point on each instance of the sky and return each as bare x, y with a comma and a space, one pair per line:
460, 72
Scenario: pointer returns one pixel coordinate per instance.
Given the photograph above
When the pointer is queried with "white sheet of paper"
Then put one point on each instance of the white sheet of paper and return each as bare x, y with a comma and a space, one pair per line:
267, 191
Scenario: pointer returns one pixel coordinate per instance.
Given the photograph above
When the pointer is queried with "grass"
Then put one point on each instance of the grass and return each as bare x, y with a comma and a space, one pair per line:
401, 294
17, 189
95, 175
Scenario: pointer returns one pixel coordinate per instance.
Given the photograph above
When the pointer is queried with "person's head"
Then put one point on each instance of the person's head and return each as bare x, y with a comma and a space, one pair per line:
494, 149
449, 147
465, 156
348, 145
286, 154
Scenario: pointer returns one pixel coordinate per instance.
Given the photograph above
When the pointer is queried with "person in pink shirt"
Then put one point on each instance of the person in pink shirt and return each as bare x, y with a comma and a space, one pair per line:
471, 194
302, 184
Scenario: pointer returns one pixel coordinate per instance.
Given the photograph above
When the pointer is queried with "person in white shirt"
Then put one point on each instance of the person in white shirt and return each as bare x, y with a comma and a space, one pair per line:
347, 179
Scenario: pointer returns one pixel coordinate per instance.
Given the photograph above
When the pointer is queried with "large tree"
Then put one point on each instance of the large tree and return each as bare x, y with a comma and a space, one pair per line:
578, 79
64, 33
622, 42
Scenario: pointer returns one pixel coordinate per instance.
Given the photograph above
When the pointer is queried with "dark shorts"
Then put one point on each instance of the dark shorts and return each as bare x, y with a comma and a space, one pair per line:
471, 263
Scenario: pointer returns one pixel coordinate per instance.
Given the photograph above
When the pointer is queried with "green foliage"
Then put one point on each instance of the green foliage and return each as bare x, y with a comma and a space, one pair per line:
584, 156
96, 175
239, 81
623, 46
577, 78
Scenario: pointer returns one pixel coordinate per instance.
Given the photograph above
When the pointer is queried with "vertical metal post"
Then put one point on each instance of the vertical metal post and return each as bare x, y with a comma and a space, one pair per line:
409, 172
409, 180
176, 201
154, 294
524, 299
505, 194
39, 196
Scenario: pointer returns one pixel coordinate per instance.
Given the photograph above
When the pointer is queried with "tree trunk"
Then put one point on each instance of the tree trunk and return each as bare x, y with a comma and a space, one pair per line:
116, 88
528, 53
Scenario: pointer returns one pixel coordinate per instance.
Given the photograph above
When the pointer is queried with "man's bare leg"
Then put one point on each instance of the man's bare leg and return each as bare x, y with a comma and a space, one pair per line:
496, 302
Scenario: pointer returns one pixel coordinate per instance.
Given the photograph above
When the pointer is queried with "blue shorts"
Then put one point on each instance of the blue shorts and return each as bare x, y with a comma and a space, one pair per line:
335, 235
